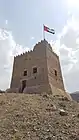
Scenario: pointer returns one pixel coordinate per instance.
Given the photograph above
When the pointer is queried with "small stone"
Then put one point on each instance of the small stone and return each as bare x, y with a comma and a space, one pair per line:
9, 103
73, 115
6, 110
14, 130
48, 138
65, 99
48, 130
13, 123
78, 115
61, 138
63, 112
51, 108
2, 103
45, 96
28, 133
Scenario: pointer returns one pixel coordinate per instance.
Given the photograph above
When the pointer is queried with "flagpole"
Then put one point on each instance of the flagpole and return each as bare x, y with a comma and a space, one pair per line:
43, 32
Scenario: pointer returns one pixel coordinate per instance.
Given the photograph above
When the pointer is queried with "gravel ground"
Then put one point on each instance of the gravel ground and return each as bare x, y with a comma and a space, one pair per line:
38, 117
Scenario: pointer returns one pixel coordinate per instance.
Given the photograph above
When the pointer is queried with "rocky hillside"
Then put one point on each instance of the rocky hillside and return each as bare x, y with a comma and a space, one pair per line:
75, 96
38, 117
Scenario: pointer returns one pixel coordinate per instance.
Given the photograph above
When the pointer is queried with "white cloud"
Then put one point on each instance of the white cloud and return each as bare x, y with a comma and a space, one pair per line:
6, 22
73, 3
8, 48
68, 47
32, 38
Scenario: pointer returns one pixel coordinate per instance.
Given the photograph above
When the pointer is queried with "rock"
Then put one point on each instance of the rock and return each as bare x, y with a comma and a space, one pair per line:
45, 96
73, 115
78, 115
54, 108
9, 103
74, 137
48, 130
2, 103
14, 130
6, 110
51, 108
48, 138
61, 104
65, 99
63, 112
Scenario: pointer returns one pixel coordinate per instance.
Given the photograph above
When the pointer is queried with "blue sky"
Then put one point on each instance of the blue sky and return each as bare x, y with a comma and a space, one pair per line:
21, 27
26, 18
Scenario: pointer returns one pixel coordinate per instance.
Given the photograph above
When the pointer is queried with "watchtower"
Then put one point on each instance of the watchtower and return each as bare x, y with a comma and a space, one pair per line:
37, 71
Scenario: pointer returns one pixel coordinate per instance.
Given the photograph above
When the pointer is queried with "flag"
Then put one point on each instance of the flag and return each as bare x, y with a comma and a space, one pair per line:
52, 31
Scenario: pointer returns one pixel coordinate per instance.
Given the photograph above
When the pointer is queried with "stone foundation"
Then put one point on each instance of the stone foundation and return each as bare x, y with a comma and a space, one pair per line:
49, 89
56, 91
37, 89
12, 90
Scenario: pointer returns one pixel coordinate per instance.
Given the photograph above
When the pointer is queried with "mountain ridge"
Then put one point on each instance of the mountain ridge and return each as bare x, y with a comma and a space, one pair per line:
75, 95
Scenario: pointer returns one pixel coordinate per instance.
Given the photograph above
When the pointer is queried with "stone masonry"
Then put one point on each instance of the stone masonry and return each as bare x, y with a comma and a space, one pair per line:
37, 71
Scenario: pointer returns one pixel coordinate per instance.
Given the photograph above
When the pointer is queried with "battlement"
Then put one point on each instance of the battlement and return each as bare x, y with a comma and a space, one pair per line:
28, 52
42, 42
22, 54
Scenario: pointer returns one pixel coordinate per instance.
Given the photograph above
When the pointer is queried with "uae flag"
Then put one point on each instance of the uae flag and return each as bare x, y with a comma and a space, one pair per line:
52, 31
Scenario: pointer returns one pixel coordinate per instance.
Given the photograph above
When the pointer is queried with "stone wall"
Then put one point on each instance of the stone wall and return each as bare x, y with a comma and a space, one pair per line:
35, 58
46, 61
54, 69
38, 89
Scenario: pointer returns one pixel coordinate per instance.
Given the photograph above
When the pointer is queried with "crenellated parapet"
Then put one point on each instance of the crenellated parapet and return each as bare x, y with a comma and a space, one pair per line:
43, 42
24, 53
29, 52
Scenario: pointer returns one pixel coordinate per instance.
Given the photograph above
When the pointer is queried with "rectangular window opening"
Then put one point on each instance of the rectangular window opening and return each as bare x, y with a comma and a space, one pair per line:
25, 73
35, 70
55, 73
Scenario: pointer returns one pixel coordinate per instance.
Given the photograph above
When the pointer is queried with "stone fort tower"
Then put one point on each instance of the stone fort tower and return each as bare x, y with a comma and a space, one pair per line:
37, 71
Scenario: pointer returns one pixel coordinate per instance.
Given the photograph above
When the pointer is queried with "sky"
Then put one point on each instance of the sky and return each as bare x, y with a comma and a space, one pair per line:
21, 27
